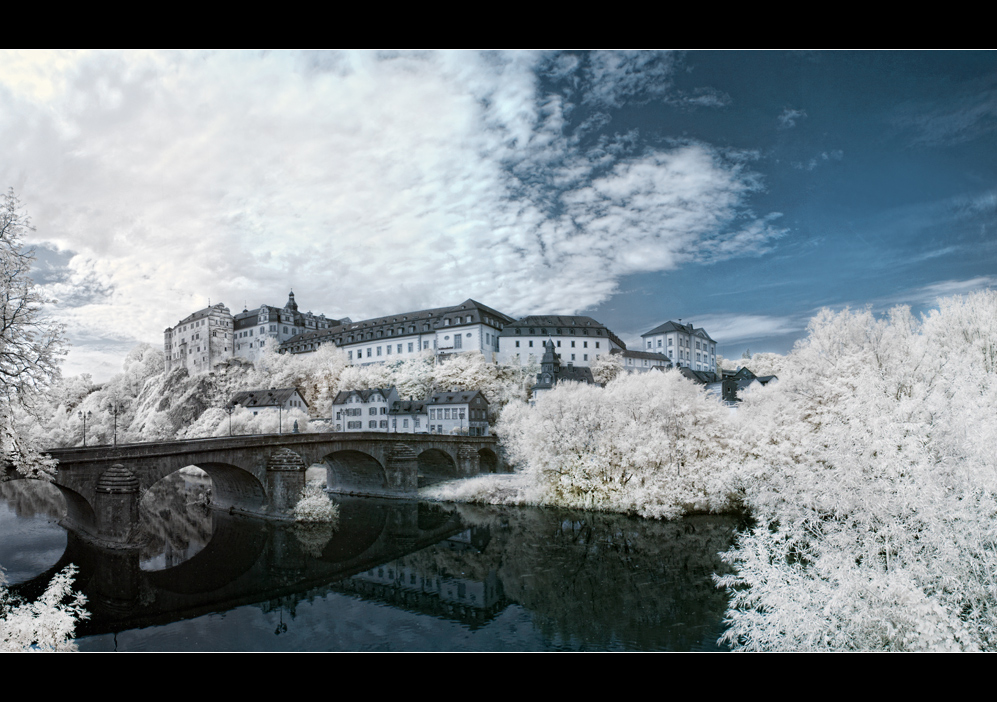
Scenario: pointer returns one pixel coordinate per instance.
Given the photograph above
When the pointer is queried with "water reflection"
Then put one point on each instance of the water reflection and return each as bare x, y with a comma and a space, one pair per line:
401, 575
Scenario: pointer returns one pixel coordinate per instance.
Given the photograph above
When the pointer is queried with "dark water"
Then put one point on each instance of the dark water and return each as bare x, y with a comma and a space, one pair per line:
393, 576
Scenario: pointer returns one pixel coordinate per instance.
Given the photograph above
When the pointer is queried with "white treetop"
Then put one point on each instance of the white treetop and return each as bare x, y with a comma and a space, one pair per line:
31, 345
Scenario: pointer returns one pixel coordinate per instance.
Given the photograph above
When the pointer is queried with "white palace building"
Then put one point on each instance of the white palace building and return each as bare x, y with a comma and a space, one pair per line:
213, 335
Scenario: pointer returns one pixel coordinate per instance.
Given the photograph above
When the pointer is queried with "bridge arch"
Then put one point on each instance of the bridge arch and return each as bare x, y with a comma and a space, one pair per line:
488, 460
349, 470
78, 510
233, 487
436, 466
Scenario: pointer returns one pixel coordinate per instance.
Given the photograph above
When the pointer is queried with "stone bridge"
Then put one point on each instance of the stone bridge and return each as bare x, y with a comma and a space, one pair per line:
260, 475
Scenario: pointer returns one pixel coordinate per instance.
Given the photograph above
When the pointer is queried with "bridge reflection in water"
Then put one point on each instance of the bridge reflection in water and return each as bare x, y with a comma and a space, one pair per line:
404, 575
259, 475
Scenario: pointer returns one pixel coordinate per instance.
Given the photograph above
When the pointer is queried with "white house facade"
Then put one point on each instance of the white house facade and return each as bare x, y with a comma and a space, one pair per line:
685, 345
577, 340
642, 361
363, 410
274, 399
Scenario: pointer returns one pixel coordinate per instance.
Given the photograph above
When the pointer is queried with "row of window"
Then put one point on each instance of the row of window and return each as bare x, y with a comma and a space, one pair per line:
387, 349
444, 413
556, 331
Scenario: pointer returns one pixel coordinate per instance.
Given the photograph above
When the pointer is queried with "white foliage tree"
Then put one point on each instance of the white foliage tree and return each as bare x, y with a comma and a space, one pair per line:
31, 345
606, 368
48, 624
870, 472
650, 444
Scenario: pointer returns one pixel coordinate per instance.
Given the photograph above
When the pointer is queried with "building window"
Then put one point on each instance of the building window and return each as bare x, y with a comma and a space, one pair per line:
517, 344
410, 347
368, 353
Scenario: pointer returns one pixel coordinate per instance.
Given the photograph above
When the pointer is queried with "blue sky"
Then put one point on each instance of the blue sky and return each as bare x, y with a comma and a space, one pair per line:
741, 191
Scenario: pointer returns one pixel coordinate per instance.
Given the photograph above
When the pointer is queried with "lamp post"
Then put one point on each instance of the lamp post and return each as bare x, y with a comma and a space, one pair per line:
280, 417
229, 409
85, 417
116, 407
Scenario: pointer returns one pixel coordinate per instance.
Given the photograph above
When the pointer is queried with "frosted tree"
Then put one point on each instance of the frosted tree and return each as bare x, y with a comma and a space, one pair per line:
48, 624
607, 368
870, 471
649, 444
31, 345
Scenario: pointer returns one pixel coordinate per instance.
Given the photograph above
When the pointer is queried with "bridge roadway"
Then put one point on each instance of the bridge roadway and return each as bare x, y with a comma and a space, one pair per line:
261, 474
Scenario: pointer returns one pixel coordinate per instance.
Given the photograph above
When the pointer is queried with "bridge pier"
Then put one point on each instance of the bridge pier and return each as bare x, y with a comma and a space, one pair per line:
468, 461
116, 505
285, 481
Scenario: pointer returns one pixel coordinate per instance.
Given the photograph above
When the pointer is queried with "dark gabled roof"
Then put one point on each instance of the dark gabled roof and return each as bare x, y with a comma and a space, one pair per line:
577, 374
248, 318
265, 398
436, 315
552, 325
701, 377
649, 355
364, 394
454, 397
407, 407
676, 327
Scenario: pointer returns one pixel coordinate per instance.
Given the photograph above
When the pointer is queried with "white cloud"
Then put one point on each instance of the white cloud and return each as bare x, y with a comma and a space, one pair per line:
929, 294
371, 183
730, 328
822, 158
789, 117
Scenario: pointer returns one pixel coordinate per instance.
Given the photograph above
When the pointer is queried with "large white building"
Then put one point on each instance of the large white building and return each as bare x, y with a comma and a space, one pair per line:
213, 335
686, 346
577, 340
380, 409
469, 326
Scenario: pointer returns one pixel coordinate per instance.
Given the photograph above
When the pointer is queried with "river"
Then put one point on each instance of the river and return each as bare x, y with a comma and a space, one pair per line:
392, 576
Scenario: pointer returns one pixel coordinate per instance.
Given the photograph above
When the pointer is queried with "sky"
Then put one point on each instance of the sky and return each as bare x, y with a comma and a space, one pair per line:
738, 191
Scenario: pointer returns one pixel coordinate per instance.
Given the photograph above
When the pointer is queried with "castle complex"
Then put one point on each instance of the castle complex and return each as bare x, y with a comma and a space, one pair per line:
213, 335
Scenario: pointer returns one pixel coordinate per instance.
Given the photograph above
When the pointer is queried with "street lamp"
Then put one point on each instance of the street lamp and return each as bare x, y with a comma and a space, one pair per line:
85, 417
116, 407
280, 418
230, 409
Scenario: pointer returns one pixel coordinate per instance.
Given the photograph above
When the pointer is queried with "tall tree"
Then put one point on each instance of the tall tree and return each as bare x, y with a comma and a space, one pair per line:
31, 345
